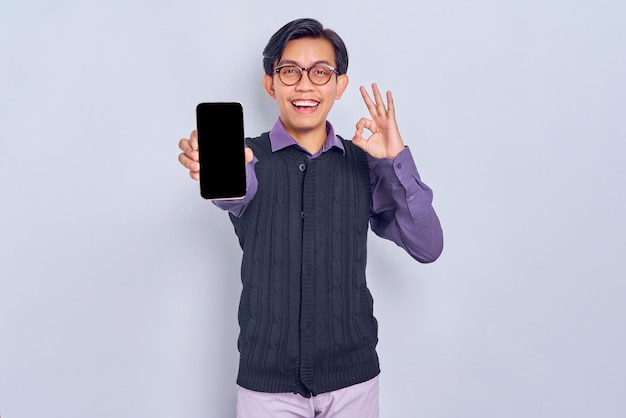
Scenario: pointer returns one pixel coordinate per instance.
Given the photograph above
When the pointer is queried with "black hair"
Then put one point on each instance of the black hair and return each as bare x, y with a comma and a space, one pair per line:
303, 28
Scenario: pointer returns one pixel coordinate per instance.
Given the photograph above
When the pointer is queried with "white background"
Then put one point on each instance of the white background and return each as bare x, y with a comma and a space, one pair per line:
119, 285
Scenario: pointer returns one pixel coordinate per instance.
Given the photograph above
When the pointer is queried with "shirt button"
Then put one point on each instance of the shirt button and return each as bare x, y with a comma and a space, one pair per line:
411, 197
399, 165
302, 167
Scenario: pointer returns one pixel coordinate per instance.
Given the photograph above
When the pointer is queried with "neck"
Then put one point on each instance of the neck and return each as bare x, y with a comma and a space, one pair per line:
312, 141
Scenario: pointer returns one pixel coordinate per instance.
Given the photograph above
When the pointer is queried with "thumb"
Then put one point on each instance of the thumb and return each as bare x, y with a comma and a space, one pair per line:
358, 139
249, 155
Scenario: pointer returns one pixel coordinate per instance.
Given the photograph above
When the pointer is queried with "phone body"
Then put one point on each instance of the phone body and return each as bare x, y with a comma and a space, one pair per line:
221, 149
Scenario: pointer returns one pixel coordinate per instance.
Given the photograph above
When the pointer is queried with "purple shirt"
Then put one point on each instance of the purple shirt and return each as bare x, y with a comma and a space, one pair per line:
401, 207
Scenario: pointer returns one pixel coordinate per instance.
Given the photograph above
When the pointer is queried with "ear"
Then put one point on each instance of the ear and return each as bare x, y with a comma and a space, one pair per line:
342, 84
268, 84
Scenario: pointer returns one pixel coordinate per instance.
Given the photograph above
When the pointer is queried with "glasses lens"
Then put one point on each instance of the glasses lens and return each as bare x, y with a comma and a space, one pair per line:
320, 74
290, 75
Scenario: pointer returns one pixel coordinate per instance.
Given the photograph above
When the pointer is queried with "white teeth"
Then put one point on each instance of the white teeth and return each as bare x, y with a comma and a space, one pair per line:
307, 103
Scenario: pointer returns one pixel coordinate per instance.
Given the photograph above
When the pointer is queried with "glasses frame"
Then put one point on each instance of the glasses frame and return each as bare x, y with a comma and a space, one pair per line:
308, 73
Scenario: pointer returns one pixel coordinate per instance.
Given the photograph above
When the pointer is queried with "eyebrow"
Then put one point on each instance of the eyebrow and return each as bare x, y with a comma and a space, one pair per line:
291, 62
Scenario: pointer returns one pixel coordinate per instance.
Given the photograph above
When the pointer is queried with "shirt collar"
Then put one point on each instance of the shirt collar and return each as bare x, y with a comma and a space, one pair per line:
279, 138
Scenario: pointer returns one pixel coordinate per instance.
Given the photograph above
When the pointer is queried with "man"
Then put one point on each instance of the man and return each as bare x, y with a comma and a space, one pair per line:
308, 335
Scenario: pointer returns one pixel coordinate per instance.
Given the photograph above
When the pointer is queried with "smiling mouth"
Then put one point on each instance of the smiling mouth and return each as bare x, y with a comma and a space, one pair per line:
305, 104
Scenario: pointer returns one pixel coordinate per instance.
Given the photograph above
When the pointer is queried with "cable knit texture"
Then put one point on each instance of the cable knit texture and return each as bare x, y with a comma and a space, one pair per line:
306, 316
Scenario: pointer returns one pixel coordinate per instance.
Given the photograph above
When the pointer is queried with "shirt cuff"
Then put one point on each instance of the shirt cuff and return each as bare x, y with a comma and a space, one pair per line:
401, 169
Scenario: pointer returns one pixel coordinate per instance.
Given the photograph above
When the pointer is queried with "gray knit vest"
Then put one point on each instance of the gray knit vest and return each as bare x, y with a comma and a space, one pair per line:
306, 316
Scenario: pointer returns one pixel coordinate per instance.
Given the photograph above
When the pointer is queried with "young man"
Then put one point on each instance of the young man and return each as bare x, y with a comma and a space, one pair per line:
308, 335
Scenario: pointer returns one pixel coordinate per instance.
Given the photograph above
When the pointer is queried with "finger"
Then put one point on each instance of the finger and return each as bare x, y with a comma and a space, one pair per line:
188, 163
186, 146
371, 106
391, 105
367, 124
193, 138
380, 104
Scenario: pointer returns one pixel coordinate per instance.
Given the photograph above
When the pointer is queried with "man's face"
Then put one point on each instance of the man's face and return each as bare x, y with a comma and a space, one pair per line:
304, 106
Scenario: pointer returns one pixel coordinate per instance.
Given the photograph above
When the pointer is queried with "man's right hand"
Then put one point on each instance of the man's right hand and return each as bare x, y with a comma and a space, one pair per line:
189, 155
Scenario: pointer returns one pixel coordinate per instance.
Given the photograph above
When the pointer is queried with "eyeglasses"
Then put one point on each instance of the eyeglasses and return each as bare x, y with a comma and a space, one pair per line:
319, 75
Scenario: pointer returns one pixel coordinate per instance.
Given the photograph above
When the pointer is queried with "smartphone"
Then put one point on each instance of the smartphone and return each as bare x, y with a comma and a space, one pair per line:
221, 148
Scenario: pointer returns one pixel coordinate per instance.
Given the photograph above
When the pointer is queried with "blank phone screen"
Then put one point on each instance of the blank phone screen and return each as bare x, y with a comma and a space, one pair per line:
221, 150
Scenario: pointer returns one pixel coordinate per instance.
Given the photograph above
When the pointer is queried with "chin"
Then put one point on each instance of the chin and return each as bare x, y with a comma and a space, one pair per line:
302, 126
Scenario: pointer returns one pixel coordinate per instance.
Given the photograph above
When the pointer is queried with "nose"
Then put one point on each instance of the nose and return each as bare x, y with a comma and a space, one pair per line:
304, 84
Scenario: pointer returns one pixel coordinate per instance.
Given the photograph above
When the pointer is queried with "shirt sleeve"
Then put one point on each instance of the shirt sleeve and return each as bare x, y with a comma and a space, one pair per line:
401, 207
238, 206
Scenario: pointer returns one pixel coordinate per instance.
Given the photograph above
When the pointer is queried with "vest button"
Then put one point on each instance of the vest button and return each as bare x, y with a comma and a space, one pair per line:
302, 167
302, 214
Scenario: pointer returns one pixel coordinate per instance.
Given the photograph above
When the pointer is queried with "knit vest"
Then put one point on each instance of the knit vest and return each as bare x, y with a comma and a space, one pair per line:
305, 315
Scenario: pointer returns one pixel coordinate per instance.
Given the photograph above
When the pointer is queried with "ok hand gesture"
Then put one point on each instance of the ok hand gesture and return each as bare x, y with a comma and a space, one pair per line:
385, 140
